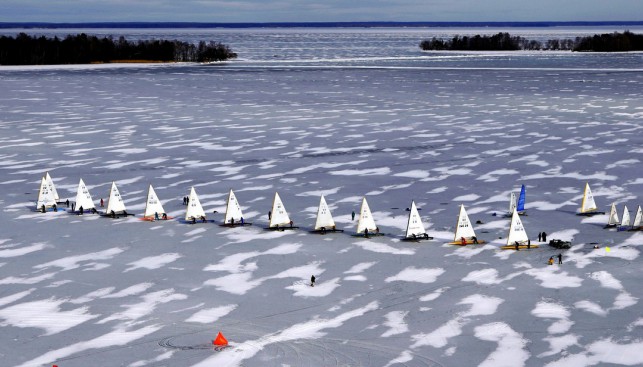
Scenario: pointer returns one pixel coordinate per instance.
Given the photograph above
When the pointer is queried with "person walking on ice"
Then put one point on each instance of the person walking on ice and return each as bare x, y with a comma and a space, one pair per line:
560, 259
312, 280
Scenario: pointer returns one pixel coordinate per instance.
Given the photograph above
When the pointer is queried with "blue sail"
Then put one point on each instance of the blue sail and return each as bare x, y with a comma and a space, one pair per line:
521, 200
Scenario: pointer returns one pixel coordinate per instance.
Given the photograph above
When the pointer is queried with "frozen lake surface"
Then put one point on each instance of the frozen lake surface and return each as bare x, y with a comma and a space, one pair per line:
333, 113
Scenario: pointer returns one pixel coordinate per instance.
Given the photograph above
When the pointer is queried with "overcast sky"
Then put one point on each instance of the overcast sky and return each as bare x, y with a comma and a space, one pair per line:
318, 10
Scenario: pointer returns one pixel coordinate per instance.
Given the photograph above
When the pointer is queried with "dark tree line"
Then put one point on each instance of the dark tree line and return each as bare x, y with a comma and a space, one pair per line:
84, 49
611, 42
626, 41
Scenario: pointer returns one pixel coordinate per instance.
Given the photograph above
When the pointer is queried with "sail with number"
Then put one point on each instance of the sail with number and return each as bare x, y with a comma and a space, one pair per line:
115, 202
153, 204
233, 209
83, 197
52, 187
324, 218
365, 220
463, 227
414, 227
45, 196
521, 199
625, 219
195, 210
588, 203
613, 218
517, 231
279, 216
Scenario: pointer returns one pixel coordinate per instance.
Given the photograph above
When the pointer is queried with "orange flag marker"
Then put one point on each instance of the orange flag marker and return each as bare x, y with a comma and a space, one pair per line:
220, 340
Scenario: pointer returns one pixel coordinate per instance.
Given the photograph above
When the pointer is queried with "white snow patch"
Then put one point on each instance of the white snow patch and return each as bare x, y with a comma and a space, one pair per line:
115, 338
211, 315
395, 323
73, 262
412, 274
510, 352
153, 262
14, 252
383, 248
44, 314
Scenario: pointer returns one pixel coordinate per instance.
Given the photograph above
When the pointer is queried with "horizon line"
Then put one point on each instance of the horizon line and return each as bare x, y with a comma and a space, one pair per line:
346, 24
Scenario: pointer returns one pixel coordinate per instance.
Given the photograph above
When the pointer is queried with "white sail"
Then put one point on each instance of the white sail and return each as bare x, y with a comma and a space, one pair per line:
115, 203
512, 203
45, 196
195, 210
517, 231
233, 209
414, 226
324, 218
625, 219
638, 218
279, 215
613, 218
153, 204
365, 219
463, 227
83, 198
588, 203
52, 187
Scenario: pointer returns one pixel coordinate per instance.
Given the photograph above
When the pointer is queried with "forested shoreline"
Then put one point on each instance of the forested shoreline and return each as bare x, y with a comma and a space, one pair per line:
608, 42
83, 49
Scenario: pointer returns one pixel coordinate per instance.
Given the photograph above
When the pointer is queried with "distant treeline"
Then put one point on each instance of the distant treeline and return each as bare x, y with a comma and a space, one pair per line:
609, 42
84, 49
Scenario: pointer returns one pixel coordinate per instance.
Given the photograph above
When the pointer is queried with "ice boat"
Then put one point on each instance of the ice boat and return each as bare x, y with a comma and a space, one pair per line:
612, 220
588, 205
279, 219
153, 207
233, 213
115, 204
325, 222
365, 223
195, 211
625, 220
84, 202
45, 196
414, 228
517, 237
464, 233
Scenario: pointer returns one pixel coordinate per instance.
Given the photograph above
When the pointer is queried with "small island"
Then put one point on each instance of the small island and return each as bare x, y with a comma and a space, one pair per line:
84, 49
608, 42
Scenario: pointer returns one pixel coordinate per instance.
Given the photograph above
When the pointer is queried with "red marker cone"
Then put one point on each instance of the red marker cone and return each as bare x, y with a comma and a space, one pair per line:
220, 340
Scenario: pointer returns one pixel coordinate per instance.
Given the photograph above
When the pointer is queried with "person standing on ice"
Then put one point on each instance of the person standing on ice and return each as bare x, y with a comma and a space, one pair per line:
540, 237
353, 215
269, 215
312, 280
560, 259
544, 236
101, 202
